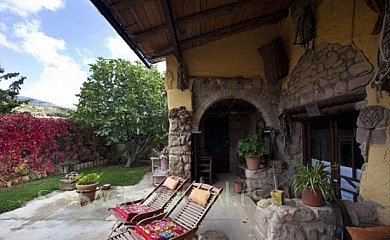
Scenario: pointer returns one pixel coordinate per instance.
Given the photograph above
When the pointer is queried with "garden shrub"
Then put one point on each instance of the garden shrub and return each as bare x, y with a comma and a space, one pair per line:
31, 144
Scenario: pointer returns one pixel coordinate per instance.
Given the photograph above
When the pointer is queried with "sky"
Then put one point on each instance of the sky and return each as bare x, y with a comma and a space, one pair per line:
51, 43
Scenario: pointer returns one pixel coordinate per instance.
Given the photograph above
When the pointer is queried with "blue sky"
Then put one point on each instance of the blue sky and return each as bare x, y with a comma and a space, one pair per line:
51, 42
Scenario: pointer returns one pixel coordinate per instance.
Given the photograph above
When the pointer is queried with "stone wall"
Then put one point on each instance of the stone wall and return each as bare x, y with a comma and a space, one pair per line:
327, 71
295, 221
179, 147
255, 90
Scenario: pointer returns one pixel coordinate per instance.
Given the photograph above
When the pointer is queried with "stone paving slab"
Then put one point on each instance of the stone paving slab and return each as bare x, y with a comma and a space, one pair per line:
59, 215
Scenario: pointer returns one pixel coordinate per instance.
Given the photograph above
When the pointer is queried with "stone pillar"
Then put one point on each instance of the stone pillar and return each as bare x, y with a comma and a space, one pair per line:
179, 146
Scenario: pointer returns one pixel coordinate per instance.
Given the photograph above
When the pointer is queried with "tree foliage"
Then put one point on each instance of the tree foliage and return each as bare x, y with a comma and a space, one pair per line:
126, 103
8, 97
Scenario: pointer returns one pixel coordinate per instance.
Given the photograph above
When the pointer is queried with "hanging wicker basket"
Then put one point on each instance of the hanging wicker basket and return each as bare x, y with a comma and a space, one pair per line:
275, 60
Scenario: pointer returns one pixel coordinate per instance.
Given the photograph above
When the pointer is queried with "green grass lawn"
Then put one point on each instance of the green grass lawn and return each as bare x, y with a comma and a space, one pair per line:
15, 197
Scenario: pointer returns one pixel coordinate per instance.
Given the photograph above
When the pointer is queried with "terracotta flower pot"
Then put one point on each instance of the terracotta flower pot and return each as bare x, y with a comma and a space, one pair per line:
87, 192
238, 187
312, 199
253, 163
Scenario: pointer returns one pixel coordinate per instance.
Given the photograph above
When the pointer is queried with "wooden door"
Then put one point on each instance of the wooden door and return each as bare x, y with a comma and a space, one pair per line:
217, 142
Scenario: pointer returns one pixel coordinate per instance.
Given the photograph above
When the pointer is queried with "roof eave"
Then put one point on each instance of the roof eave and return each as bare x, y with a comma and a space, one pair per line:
106, 12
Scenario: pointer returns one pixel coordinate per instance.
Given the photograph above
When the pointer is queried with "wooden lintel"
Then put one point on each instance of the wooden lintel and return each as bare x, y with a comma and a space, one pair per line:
167, 10
202, 16
352, 97
223, 32
326, 112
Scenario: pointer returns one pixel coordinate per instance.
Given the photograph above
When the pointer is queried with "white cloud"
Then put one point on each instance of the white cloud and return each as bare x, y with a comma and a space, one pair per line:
44, 48
119, 49
24, 8
57, 84
8, 44
61, 77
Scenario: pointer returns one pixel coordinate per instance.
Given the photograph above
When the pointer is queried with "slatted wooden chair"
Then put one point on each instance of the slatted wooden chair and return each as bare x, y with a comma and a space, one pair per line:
205, 164
182, 221
130, 213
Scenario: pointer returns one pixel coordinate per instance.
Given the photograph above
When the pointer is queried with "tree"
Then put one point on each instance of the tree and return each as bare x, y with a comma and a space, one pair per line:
8, 97
126, 103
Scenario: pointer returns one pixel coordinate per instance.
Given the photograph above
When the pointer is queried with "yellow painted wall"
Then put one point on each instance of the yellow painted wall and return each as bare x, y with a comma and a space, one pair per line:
230, 57
377, 174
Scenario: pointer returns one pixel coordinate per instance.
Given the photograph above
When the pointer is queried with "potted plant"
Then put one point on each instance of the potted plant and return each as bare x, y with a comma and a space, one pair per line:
313, 184
87, 185
183, 114
67, 166
251, 147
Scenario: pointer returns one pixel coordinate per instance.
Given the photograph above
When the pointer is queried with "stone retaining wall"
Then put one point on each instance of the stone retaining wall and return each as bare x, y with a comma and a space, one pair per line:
295, 221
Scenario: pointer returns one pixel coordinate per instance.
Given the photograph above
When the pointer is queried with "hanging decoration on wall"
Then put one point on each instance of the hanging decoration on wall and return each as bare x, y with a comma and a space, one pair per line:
305, 24
182, 77
381, 79
378, 7
370, 117
285, 124
275, 60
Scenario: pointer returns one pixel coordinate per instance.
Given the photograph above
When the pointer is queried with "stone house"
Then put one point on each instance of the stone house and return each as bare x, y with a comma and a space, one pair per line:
308, 75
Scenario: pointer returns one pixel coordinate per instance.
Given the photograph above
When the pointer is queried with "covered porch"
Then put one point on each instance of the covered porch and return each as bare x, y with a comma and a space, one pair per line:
303, 74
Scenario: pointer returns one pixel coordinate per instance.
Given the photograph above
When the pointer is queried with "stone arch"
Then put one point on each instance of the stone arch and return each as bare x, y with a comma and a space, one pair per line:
260, 101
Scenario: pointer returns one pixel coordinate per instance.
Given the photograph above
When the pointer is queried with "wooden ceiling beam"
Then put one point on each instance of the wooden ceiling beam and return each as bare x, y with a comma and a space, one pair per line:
203, 16
167, 10
222, 32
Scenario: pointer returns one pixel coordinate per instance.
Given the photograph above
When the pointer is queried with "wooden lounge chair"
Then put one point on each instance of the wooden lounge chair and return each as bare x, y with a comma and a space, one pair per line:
154, 203
182, 220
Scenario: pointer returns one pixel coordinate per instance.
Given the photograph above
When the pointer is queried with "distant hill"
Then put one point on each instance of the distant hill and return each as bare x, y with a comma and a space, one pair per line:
41, 108
39, 102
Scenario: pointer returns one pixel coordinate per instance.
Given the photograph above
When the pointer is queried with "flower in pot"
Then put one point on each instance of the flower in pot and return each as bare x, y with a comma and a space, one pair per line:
313, 184
251, 147
183, 114
87, 185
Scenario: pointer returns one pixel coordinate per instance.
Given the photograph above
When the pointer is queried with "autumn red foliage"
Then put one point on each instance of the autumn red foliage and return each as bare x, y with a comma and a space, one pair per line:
32, 144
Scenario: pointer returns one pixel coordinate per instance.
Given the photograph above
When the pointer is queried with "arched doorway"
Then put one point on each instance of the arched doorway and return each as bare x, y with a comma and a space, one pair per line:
221, 126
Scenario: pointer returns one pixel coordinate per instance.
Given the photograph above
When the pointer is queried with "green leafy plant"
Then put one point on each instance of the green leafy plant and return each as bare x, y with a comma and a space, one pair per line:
87, 179
250, 146
125, 103
313, 177
68, 163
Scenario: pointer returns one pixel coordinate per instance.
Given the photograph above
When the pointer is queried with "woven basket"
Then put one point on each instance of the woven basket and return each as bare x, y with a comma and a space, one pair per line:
275, 60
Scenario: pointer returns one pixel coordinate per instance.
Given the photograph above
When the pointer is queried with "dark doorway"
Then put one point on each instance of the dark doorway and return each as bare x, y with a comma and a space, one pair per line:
216, 130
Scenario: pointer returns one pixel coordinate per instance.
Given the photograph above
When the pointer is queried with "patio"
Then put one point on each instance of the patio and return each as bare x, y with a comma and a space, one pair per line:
60, 216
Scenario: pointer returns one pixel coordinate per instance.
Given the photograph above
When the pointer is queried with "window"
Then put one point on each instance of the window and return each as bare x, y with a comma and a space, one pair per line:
334, 142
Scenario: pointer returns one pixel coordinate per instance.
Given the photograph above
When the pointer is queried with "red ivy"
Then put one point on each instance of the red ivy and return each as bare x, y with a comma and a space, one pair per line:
42, 143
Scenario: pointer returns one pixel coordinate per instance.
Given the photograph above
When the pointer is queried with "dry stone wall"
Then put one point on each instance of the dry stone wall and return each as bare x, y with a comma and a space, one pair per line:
179, 147
327, 71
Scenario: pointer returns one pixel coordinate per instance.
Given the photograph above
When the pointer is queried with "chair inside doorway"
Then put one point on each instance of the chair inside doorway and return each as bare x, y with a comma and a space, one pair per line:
205, 168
